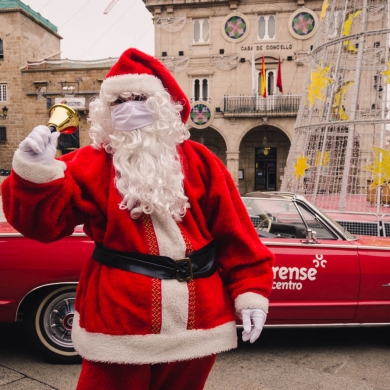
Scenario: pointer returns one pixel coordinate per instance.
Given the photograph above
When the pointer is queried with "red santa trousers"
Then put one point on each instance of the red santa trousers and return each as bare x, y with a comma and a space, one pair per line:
182, 375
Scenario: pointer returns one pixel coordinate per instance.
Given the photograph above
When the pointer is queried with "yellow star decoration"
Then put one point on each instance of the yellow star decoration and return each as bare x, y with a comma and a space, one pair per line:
324, 157
387, 73
318, 82
347, 27
380, 167
338, 109
325, 6
301, 166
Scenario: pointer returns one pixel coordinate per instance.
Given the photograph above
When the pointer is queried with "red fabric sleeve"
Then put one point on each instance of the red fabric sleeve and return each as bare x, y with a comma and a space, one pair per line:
49, 211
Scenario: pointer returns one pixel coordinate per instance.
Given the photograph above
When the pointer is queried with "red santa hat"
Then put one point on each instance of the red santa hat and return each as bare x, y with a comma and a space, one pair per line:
136, 71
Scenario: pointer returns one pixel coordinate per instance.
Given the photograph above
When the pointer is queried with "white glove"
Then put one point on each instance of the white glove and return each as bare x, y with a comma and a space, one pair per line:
258, 317
39, 146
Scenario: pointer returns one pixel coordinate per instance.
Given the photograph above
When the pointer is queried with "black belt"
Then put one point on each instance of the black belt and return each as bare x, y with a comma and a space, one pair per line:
198, 264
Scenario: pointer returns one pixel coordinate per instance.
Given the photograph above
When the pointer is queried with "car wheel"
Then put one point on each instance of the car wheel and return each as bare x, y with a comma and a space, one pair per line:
49, 323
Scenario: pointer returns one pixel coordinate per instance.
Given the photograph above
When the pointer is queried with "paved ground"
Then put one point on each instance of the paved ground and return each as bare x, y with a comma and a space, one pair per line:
311, 359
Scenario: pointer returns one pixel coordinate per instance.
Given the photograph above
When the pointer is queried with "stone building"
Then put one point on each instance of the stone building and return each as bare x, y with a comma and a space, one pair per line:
68, 82
33, 78
24, 35
215, 50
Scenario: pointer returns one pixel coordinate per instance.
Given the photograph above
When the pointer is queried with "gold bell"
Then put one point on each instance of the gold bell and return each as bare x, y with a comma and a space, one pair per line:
63, 119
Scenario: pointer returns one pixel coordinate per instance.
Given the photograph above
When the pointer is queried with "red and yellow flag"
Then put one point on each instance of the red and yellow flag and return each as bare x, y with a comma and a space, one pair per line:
263, 79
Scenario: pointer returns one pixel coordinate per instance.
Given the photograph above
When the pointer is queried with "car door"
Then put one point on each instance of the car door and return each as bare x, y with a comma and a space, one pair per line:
315, 281
28, 264
374, 297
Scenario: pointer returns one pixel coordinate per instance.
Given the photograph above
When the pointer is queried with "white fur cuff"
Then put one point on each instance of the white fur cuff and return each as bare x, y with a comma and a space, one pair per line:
251, 301
37, 173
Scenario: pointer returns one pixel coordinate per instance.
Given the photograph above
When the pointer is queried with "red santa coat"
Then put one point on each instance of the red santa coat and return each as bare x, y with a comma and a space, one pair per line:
125, 317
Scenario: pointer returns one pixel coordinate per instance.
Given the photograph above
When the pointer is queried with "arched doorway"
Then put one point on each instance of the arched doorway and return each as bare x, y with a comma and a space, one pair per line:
263, 155
212, 140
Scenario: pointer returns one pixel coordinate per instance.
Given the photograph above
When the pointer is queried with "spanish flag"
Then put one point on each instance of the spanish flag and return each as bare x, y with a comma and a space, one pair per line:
263, 79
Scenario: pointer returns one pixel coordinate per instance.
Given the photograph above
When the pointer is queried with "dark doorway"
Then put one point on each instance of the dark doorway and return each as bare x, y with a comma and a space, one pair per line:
265, 172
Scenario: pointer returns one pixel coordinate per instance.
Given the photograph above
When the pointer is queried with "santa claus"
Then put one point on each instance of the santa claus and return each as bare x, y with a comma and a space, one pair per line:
176, 257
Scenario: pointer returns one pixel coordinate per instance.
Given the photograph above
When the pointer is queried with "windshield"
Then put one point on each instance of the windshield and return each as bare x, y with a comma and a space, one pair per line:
281, 218
290, 219
349, 235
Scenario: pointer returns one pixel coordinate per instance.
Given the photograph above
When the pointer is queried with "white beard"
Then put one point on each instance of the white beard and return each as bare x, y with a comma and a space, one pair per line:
148, 171
149, 175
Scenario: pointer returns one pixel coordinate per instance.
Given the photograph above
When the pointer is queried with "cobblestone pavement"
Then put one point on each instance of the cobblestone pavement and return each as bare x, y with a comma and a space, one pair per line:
282, 359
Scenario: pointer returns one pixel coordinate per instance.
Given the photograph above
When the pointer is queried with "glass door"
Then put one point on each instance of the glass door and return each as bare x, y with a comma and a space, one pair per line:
265, 169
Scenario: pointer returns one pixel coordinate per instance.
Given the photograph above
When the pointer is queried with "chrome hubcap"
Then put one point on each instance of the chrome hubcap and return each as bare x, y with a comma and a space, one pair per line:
58, 320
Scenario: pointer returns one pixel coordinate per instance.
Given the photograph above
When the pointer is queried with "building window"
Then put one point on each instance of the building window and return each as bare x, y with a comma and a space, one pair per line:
3, 134
270, 77
41, 91
1, 50
266, 27
41, 88
201, 89
68, 89
201, 30
3, 92
303, 23
235, 27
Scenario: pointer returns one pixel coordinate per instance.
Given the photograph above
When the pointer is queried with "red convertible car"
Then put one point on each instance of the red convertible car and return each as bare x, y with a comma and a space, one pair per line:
324, 276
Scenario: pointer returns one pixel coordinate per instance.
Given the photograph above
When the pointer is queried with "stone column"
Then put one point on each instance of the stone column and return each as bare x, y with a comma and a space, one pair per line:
232, 162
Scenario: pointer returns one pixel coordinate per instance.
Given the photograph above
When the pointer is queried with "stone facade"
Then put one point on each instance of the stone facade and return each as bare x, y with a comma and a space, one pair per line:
217, 67
37, 104
23, 38
250, 134
35, 77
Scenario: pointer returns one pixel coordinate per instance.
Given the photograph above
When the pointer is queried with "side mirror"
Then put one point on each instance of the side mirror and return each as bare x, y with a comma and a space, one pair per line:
310, 237
310, 234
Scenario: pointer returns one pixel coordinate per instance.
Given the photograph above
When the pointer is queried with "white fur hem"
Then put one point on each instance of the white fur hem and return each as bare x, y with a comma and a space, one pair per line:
251, 300
37, 173
144, 83
153, 348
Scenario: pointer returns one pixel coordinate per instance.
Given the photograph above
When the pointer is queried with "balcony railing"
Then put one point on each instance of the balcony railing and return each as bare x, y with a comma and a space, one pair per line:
283, 105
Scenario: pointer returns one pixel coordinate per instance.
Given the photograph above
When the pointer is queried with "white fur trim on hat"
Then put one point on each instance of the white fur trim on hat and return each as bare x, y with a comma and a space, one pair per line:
37, 173
141, 83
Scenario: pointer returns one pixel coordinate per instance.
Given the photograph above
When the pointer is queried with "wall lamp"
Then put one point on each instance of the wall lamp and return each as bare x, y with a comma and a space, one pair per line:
5, 112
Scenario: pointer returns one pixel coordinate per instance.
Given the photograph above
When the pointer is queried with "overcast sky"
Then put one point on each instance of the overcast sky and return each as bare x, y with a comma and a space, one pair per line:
89, 34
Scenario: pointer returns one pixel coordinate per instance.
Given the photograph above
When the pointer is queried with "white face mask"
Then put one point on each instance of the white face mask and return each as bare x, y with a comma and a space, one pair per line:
131, 115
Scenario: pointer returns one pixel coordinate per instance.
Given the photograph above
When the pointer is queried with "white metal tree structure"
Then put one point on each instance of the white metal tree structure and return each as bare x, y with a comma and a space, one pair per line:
110, 6
340, 154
